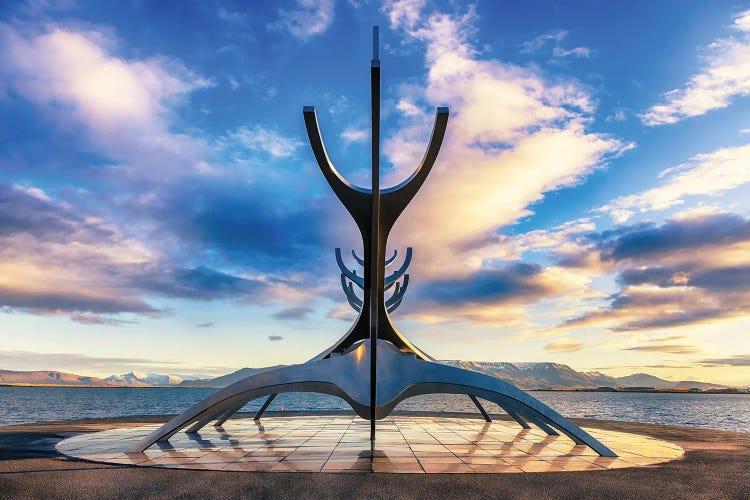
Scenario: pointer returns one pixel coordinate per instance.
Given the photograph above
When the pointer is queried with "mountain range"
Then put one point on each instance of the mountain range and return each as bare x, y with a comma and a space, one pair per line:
132, 379
523, 375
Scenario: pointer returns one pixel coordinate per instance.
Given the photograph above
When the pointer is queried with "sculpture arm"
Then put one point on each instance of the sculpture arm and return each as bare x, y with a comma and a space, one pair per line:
354, 198
395, 199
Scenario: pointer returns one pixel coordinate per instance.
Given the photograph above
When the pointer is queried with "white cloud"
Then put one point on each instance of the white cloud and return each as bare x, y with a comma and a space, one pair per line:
577, 52
73, 68
564, 344
265, 140
620, 115
36, 192
123, 107
403, 13
725, 75
311, 18
352, 134
513, 135
708, 174
555, 39
408, 108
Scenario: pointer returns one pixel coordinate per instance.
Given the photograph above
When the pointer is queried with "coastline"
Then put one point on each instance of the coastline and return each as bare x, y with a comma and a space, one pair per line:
543, 389
715, 466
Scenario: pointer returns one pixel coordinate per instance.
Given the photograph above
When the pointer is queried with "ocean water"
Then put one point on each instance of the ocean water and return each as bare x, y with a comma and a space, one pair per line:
730, 412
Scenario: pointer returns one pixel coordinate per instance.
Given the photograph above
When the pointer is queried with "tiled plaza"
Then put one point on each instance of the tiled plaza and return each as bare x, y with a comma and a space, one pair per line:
405, 444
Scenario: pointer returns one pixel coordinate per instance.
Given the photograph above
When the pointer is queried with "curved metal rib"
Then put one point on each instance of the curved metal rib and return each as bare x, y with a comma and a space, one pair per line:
354, 198
359, 280
351, 297
398, 294
361, 262
388, 262
397, 274
393, 306
395, 199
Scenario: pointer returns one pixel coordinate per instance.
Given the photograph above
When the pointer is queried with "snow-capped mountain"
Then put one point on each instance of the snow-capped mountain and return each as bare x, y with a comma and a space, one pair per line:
137, 379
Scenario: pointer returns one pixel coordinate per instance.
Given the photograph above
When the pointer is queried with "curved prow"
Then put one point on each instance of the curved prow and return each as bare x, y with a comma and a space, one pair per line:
395, 199
354, 198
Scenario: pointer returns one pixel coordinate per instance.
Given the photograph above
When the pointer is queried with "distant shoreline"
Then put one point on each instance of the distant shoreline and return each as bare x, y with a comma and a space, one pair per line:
73, 386
597, 389
650, 390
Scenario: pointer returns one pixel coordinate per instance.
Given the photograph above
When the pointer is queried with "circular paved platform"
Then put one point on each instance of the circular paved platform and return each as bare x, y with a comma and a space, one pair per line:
342, 444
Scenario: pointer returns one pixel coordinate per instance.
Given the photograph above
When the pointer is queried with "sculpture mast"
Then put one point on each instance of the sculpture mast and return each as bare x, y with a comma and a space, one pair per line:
376, 271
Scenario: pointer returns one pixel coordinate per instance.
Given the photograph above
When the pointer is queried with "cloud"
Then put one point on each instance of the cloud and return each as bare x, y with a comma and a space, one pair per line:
232, 16
95, 319
736, 360
724, 76
200, 283
688, 271
51, 361
494, 296
55, 260
261, 139
275, 338
311, 18
121, 107
403, 13
351, 134
554, 39
648, 241
564, 345
667, 348
209, 324
293, 313
102, 366
43, 8
708, 174
154, 213
513, 136
224, 218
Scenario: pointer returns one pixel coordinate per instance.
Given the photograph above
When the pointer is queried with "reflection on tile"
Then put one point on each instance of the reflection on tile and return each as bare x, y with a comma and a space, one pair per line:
342, 445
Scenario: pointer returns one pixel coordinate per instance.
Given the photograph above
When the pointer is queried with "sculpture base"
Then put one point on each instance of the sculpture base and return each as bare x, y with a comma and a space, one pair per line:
340, 443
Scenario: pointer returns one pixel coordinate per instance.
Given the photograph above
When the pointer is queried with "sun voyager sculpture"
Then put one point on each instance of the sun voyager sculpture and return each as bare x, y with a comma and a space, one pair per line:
373, 366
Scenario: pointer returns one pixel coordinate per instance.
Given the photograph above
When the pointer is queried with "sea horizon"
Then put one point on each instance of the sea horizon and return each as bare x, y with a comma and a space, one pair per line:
703, 410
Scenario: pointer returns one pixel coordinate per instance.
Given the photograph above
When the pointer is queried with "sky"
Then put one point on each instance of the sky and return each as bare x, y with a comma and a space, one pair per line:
161, 209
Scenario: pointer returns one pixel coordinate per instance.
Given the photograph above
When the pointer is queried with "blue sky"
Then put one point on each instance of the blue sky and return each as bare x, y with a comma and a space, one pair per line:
160, 208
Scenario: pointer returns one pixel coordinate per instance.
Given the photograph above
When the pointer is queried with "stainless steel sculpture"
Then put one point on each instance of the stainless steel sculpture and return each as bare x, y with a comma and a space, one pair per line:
373, 367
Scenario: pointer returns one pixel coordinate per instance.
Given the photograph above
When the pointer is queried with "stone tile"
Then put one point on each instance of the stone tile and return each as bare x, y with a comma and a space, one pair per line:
341, 444
445, 468
250, 466
298, 466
